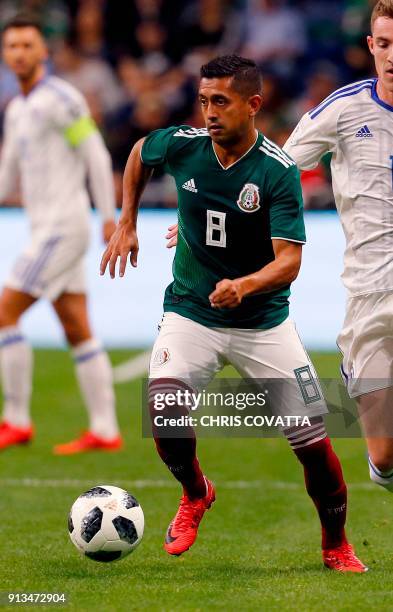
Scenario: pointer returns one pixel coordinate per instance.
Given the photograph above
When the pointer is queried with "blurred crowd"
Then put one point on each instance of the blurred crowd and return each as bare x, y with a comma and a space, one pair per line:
137, 62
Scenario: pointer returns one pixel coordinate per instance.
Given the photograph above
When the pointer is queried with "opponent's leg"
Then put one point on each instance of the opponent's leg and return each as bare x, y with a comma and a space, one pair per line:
184, 358
16, 362
278, 359
326, 487
375, 412
94, 374
366, 344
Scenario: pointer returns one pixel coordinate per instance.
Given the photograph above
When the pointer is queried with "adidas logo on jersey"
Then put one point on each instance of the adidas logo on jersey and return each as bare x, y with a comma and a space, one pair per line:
190, 186
364, 132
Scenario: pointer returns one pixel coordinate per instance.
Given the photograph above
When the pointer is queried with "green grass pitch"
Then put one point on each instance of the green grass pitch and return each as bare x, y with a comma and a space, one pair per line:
258, 548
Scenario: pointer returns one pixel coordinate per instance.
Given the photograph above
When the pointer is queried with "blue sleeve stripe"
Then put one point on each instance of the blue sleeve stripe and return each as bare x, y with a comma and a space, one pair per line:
314, 113
64, 95
347, 88
338, 92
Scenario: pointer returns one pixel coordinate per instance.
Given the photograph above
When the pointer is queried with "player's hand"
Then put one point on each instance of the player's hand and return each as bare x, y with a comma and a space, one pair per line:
227, 294
172, 236
123, 242
108, 229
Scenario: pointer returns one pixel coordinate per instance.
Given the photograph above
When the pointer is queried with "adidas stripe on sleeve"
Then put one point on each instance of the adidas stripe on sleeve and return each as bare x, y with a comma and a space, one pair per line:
316, 133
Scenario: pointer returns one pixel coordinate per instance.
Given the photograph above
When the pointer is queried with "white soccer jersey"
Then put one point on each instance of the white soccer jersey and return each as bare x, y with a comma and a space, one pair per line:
43, 131
357, 127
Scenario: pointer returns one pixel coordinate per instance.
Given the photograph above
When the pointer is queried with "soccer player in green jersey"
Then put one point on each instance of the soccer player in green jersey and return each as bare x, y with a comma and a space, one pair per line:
239, 248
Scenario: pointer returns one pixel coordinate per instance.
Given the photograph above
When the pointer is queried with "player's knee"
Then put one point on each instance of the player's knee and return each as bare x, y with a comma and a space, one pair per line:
7, 316
167, 399
304, 438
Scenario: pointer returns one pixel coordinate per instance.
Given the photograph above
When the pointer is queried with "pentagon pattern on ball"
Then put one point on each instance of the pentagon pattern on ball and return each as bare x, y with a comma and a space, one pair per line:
97, 492
129, 501
104, 555
91, 524
126, 529
70, 523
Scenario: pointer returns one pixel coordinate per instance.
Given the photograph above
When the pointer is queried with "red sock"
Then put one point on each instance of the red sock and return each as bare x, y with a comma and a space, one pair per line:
326, 487
178, 454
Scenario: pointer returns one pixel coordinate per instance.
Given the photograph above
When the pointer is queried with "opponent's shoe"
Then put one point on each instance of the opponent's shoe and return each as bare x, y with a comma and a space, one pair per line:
183, 530
11, 435
88, 442
343, 559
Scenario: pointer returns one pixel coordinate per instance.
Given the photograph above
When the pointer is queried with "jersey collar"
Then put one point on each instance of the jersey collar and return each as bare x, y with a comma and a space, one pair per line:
240, 158
36, 86
377, 99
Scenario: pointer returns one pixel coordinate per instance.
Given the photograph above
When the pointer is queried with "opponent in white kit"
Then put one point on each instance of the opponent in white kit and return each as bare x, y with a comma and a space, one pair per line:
51, 141
355, 123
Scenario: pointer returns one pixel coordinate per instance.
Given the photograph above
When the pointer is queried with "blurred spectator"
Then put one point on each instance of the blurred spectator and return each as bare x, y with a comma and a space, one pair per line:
276, 35
355, 27
138, 61
54, 15
322, 80
325, 37
151, 37
92, 76
89, 28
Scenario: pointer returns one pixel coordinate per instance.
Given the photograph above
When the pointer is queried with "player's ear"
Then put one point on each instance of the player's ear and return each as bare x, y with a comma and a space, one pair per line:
255, 103
370, 42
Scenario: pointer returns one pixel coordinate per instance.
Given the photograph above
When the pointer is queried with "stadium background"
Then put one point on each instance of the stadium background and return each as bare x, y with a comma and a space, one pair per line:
137, 64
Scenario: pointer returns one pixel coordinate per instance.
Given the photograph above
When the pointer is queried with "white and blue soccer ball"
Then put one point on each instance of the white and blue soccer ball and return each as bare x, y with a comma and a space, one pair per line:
106, 523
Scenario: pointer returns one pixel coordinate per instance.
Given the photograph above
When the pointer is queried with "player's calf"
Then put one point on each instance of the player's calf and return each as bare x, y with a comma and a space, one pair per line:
16, 363
324, 481
380, 461
326, 487
176, 444
383, 478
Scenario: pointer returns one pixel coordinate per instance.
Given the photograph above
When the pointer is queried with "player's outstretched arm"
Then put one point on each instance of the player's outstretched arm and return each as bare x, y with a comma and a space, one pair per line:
100, 175
124, 241
276, 274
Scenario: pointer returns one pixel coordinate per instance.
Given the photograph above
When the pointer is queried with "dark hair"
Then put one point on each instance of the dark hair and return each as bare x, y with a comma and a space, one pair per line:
24, 20
246, 77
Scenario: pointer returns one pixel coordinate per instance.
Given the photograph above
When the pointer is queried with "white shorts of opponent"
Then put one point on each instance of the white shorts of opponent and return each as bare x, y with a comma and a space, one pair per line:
366, 342
188, 351
50, 266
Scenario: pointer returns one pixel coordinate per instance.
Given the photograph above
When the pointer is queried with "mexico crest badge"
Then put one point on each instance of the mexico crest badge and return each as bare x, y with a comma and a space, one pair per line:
249, 200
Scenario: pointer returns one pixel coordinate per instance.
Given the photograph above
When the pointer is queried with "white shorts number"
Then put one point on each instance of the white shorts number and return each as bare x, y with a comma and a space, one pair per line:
215, 229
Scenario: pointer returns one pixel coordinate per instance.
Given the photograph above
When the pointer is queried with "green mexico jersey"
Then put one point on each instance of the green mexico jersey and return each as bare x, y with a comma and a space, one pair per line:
227, 218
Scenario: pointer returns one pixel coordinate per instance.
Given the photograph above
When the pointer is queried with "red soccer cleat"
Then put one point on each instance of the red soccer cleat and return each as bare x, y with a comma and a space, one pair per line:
88, 442
11, 435
183, 530
343, 559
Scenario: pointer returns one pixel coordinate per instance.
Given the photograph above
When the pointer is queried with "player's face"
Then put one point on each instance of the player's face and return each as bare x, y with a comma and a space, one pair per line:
227, 114
381, 47
23, 51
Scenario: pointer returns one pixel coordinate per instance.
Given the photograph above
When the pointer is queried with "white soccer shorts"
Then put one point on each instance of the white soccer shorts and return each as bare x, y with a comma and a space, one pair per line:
366, 342
50, 266
186, 350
